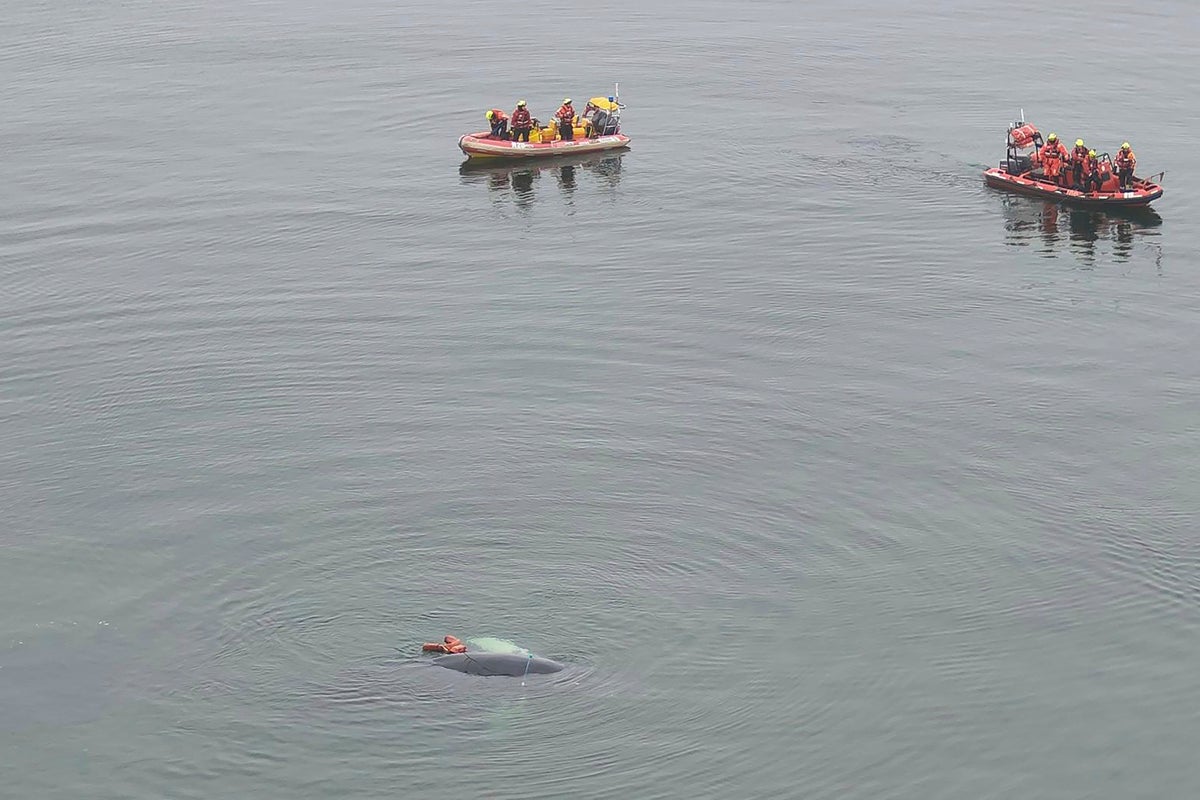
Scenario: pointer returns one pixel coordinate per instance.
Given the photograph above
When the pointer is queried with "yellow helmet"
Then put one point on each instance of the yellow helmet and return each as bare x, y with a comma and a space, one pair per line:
520, 104
1092, 153
1079, 142
491, 114
1052, 137
566, 101
1125, 145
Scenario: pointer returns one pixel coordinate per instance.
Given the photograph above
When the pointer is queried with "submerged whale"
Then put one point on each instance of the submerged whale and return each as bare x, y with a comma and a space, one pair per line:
512, 665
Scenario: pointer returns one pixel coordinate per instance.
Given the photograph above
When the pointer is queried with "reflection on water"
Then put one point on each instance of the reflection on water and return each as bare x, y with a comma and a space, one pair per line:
518, 182
1087, 234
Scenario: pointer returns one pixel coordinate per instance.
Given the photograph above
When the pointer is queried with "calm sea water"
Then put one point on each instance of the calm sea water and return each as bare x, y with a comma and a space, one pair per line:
828, 471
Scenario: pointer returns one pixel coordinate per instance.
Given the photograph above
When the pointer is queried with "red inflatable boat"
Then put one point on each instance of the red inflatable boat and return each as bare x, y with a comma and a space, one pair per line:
597, 130
1021, 173
482, 145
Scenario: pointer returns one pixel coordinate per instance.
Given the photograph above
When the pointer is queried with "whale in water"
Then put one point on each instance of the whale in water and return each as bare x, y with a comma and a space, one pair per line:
512, 665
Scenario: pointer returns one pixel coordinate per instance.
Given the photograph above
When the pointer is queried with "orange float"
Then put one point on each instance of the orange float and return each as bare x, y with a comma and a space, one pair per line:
450, 644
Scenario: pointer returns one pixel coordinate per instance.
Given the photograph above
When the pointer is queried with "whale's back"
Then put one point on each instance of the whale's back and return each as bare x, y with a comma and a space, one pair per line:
508, 664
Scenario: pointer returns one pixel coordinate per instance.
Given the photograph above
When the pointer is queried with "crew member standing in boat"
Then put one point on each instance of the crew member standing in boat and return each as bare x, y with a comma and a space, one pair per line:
521, 122
1089, 166
1052, 156
566, 120
1078, 160
499, 123
1126, 162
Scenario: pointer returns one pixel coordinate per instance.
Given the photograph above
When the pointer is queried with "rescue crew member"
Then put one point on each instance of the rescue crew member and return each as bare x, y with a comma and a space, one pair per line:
1126, 163
566, 120
450, 644
1052, 156
1078, 159
1090, 167
522, 123
499, 123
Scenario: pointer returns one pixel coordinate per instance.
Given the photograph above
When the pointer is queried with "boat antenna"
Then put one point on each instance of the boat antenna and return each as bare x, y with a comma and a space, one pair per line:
1022, 116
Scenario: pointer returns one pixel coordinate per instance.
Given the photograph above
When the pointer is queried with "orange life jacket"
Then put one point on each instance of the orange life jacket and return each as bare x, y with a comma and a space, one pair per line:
1126, 159
498, 115
1079, 155
1053, 150
565, 112
1052, 154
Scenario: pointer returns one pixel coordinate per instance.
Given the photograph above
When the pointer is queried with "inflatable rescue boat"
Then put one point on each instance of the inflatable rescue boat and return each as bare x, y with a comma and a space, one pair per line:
597, 130
1021, 173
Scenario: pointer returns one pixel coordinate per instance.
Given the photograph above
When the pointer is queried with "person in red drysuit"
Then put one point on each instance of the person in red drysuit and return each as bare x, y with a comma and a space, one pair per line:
499, 123
521, 122
1052, 155
1126, 163
566, 120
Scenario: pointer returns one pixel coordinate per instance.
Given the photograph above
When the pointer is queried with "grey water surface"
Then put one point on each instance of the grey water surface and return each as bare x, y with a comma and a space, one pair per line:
828, 472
